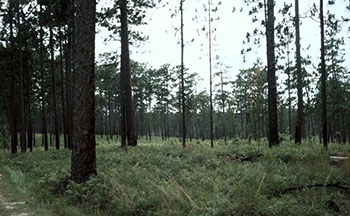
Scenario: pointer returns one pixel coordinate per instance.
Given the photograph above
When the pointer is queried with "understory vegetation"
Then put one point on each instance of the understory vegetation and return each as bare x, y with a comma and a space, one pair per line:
162, 178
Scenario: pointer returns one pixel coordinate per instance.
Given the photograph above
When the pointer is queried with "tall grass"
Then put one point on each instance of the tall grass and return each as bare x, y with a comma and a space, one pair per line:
161, 178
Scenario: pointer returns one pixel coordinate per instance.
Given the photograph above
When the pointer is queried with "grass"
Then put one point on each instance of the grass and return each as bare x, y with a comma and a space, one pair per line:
162, 178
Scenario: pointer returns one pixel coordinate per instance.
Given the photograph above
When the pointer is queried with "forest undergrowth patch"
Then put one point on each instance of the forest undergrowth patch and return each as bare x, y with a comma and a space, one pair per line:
162, 178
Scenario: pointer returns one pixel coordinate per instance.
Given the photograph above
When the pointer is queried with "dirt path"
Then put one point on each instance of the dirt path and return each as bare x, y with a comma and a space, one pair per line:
10, 207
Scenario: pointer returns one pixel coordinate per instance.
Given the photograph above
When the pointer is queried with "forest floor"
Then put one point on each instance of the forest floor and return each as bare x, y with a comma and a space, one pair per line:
162, 178
15, 199
9, 204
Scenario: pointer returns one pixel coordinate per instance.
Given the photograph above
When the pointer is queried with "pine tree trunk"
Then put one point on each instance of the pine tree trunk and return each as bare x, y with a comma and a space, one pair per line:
14, 141
23, 123
62, 92
69, 60
182, 79
52, 51
323, 81
211, 81
128, 111
29, 114
84, 143
300, 113
271, 77
43, 104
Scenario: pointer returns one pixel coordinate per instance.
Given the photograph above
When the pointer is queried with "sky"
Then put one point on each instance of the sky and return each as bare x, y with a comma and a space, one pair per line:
163, 44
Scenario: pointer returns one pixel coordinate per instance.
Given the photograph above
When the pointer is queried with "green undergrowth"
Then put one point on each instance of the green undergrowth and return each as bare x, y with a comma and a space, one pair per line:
162, 178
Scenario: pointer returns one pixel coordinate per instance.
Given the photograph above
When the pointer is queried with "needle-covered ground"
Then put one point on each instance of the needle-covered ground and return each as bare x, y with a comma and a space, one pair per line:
161, 178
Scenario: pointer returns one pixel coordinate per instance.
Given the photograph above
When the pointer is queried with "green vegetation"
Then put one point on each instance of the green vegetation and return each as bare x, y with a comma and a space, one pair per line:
162, 178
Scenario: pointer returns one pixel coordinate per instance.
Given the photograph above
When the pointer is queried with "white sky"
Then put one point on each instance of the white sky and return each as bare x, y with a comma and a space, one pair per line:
162, 46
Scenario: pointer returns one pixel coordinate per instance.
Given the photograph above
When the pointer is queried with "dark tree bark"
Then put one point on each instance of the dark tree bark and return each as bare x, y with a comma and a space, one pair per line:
29, 114
43, 104
323, 81
23, 123
69, 61
300, 113
69, 111
271, 77
211, 82
52, 51
84, 143
62, 92
182, 78
126, 92
14, 141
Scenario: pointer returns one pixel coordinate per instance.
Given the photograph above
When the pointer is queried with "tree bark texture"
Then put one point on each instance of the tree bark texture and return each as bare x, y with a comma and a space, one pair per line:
84, 143
127, 108
271, 77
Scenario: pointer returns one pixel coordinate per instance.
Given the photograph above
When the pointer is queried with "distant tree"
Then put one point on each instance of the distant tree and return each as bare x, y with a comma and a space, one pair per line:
84, 143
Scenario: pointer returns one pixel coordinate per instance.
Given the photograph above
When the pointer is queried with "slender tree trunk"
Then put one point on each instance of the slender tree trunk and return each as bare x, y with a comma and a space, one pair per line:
271, 62
126, 76
62, 93
182, 78
300, 113
110, 115
84, 143
149, 120
69, 60
43, 104
52, 51
323, 81
211, 80
289, 95
29, 114
106, 118
14, 141
23, 123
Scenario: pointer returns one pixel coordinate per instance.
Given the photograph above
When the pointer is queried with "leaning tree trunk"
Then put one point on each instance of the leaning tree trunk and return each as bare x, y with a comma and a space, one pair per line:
57, 134
84, 143
300, 113
323, 81
128, 111
271, 77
